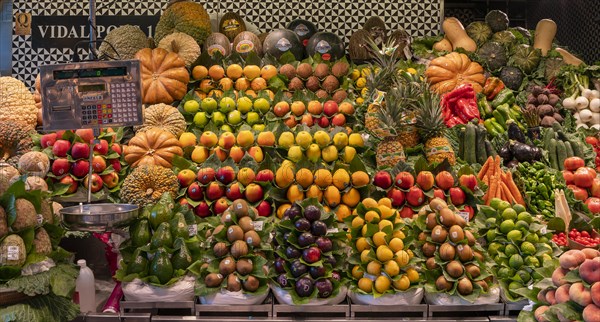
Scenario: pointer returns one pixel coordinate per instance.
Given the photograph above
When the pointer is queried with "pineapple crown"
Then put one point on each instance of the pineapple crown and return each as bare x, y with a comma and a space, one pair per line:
401, 103
383, 70
430, 122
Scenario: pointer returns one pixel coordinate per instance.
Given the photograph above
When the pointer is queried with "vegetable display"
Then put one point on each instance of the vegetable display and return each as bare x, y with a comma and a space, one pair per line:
460, 105
538, 182
501, 184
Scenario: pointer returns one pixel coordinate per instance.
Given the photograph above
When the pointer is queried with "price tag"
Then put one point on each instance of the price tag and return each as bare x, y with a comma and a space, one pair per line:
13, 253
258, 225
544, 230
193, 230
40, 219
464, 215
332, 230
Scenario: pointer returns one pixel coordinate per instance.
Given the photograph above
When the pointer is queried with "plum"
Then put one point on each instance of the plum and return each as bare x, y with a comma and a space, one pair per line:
302, 224
298, 269
292, 253
280, 265
324, 244
319, 228
282, 280
312, 213
304, 287
336, 276
324, 287
306, 239
317, 271
311, 255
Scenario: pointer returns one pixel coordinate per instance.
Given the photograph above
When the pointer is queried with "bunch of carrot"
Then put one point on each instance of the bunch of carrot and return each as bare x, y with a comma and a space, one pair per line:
500, 184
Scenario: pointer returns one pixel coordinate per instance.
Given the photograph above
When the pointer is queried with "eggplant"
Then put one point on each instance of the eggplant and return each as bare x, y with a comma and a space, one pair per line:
514, 132
505, 152
534, 133
525, 153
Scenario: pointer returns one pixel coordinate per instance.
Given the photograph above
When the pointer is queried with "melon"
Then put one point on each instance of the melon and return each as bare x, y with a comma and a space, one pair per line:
217, 42
280, 41
304, 29
327, 44
231, 25
359, 45
246, 42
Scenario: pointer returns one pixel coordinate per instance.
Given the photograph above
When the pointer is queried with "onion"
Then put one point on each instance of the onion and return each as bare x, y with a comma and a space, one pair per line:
582, 126
587, 93
576, 117
596, 126
585, 115
595, 105
569, 103
581, 102
595, 119
595, 93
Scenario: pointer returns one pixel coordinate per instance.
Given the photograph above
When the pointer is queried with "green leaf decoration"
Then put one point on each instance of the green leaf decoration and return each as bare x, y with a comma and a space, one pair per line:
40, 309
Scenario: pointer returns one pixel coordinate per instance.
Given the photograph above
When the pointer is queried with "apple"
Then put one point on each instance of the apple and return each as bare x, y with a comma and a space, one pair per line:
220, 206
214, 191
60, 167
425, 180
256, 153
87, 135
206, 175
116, 148
236, 154
406, 212
308, 120
226, 140
382, 180
397, 197
253, 193
457, 196
194, 192
439, 193
209, 139
48, 140
226, 175
330, 107
202, 210
233, 192
444, 180
185, 202
338, 120
246, 176
265, 175
60, 148
468, 180
101, 148
281, 109
323, 122
96, 182
404, 180
415, 196
80, 168
116, 164
264, 208
186, 177
61, 133
110, 180
73, 185
221, 153
80, 150
593, 205
98, 163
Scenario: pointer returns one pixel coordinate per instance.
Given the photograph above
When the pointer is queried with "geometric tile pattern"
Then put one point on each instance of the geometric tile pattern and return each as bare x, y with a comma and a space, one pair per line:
417, 17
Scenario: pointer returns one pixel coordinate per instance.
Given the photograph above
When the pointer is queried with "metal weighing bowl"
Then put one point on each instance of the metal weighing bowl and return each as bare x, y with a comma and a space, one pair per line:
99, 217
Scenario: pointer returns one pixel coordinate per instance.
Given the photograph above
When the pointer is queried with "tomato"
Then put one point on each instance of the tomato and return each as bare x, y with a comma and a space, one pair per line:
585, 234
574, 163
580, 194
591, 140
569, 176
584, 177
593, 204
595, 189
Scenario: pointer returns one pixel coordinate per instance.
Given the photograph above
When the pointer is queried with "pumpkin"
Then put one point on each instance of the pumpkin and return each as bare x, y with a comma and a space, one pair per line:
493, 55
17, 103
34, 163
155, 146
447, 72
164, 76
183, 45
497, 20
164, 117
147, 183
504, 38
526, 58
512, 77
479, 31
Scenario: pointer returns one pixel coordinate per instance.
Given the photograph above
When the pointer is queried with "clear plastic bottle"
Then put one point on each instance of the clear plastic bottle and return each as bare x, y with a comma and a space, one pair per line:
85, 288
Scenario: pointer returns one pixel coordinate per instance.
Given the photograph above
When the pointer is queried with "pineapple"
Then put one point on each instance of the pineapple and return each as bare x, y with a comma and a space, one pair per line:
431, 126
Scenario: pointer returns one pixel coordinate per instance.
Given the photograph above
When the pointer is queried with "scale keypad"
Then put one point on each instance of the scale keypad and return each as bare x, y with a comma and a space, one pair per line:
123, 107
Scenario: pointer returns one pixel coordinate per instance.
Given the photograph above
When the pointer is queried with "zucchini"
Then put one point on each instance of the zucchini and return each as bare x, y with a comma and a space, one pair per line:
569, 149
549, 135
489, 149
552, 154
470, 146
480, 144
561, 135
461, 143
561, 154
577, 148
557, 127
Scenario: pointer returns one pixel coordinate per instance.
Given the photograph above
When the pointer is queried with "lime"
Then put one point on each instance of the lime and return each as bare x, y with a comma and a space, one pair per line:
519, 208
522, 225
509, 213
209, 104
234, 117
525, 216
490, 235
515, 235
515, 261
532, 261
252, 118
506, 226
490, 222
226, 105
543, 239
494, 248
191, 106
546, 258
524, 275
513, 286
510, 250
258, 127
503, 205
532, 238
226, 128
527, 248
201, 119
495, 203
506, 272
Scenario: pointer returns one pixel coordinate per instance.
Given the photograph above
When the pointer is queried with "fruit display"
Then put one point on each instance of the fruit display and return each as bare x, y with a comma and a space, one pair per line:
325, 79
313, 114
457, 268
238, 252
309, 252
382, 262
539, 183
573, 293
583, 182
321, 146
516, 242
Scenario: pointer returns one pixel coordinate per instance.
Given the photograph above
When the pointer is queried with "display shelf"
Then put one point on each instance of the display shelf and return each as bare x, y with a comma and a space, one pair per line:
513, 309
388, 311
159, 308
248, 311
474, 310
110, 317
312, 311
503, 318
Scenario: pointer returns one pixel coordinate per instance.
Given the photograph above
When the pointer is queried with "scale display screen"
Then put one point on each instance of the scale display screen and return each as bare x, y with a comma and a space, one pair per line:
89, 73
91, 88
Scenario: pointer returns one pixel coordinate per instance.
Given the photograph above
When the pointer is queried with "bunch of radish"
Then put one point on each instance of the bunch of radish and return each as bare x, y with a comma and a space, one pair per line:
585, 104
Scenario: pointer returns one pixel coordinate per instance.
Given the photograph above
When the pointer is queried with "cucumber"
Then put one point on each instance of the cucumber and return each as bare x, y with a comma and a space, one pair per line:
461, 143
557, 127
470, 144
549, 135
552, 154
569, 149
561, 135
561, 154
577, 148
481, 154
489, 149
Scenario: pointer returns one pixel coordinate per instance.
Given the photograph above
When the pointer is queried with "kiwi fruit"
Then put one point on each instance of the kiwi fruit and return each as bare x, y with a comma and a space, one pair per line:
296, 84
321, 70
438, 204
213, 280
252, 238
288, 71
447, 252
447, 217
465, 253
227, 266
465, 287
220, 249
313, 83
439, 234
431, 221
204, 265
429, 249
483, 285
227, 217
239, 249
340, 69
304, 70
244, 266
473, 270
422, 236
431, 264
455, 269
470, 238
321, 94
251, 284
234, 233
240, 208
478, 255
330, 83
246, 224
233, 283
442, 284
456, 234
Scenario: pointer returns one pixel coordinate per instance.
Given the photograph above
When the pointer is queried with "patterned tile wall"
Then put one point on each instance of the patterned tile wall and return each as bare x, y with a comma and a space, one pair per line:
418, 17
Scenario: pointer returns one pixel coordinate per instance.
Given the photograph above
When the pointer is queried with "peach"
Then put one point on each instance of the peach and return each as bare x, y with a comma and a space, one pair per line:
562, 294
541, 296
590, 253
580, 294
595, 292
591, 313
571, 259
551, 297
539, 312
590, 270
558, 277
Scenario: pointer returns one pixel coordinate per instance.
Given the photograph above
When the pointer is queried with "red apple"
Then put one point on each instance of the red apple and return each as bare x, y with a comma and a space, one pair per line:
404, 180
206, 175
214, 191
281, 109
323, 121
593, 205
87, 135
73, 185
468, 180
580, 194
264, 209
220, 206
457, 196
96, 182
236, 153
61, 133
338, 120
101, 148
226, 140
425, 180
595, 189
186, 177
98, 163
202, 210
439, 193
444, 180
61, 148
382, 179
330, 108
226, 175
80, 168
406, 212
116, 164
194, 192
48, 140
233, 192
397, 197
265, 175
470, 210
253, 193
415, 196
61, 166
110, 180
80, 150
256, 153
117, 148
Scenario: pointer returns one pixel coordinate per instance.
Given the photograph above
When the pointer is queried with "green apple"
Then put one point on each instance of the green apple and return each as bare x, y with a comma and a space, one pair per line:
201, 119
262, 105
258, 127
218, 118
209, 105
191, 106
227, 128
244, 104
226, 105
252, 118
234, 117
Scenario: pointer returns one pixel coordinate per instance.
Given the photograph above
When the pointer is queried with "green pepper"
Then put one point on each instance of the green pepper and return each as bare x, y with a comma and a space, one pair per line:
543, 190
548, 181
505, 96
539, 166
540, 204
548, 203
504, 111
500, 119
547, 213
497, 126
490, 127
484, 107
533, 208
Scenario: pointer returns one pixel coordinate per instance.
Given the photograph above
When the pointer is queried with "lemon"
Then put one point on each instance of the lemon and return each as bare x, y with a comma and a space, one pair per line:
402, 258
379, 239
365, 284
357, 222
372, 216
506, 226
391, 268
402, 284
362, 244
384, 253
509, 213
357, 272
382, 284
396, 244
515, 235
374, 268
412, 274
364, 256
515, 261
385, 223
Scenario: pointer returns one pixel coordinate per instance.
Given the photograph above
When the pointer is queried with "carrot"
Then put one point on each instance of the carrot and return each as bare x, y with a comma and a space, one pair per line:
491, 190
484, 169
509, 197
498, 187
510, 183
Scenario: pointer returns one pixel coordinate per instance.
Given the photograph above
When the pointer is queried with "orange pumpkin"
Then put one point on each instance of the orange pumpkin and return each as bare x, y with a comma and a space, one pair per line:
164, 76
153, 147
447, 72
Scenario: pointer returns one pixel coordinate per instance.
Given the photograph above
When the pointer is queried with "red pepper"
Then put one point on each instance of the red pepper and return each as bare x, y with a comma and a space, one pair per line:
453, 121
468, 108
493, 86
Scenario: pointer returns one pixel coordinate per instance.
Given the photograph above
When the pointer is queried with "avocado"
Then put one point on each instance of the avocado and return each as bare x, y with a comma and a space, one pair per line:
140, 234
179, 227
159, 214
161, 266
139, 265
181, 259
162, 236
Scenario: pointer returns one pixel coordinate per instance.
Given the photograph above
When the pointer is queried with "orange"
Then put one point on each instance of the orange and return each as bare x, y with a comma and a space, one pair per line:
226, 84
268, 72
234, 71
258, 84
199, 72
251, 72
242, 84
216, 72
